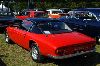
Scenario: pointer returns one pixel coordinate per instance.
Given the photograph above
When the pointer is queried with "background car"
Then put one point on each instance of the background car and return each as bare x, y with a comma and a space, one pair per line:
95, 11
30, 14
55, 13
49, 37
6, 19
84, 22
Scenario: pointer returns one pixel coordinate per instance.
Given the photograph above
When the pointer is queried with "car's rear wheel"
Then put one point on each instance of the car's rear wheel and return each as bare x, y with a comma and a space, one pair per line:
98, 40
7, 39
35, 54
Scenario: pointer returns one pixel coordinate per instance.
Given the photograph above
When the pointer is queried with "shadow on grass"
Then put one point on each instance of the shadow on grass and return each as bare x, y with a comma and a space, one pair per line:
1, 62
90, 60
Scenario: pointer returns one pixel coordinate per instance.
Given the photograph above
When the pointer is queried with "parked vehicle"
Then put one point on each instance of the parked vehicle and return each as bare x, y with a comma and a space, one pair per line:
84, 22
65, 10
95, 11
55, 13
49, 37
6, 19
30, 14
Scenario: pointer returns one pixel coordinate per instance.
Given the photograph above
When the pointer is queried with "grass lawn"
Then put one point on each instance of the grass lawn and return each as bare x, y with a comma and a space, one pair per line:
13, 55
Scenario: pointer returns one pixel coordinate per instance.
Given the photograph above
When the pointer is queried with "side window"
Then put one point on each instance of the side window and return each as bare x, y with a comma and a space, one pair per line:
35, 29
26, 25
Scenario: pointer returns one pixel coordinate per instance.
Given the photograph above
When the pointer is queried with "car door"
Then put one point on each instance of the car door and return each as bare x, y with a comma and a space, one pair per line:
22, 33
77, 24
93, 28
19, 34
81, 25
71, 22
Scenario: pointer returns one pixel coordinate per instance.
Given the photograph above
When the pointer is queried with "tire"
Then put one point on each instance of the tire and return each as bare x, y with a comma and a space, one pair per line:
35, 54
98, 40
7, 39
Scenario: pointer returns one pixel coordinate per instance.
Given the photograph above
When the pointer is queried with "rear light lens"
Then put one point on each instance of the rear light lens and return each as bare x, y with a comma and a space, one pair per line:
62, 51
59, 51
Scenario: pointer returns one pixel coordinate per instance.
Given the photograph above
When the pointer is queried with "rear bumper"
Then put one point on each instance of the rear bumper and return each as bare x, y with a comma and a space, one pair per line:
71, 55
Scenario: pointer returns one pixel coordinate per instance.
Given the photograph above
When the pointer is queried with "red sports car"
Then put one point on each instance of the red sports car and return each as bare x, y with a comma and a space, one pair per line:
49, 37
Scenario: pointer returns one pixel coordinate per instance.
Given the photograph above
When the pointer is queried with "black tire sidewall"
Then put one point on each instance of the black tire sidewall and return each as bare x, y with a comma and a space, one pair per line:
97, 40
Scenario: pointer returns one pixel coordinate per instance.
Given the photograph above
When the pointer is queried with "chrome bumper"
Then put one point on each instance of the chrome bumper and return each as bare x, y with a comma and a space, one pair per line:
71, 55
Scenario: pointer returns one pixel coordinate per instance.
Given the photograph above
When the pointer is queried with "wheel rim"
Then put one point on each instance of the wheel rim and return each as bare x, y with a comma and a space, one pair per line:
34, 53
7, 38
99, 39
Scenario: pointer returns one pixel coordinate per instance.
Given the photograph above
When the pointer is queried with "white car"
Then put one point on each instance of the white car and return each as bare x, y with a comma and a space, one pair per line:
54, 13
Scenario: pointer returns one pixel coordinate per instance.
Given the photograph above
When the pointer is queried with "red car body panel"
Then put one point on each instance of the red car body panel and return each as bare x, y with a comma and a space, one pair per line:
47, 43
22, 17
31, 14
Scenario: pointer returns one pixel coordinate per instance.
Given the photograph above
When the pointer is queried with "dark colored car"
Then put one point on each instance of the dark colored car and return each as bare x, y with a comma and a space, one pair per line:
65, 10
6, 19
95, 11
49, 38
84, 22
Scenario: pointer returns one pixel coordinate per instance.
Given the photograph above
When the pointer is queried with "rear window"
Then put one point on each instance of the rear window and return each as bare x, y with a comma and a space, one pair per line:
84, 15
27, 24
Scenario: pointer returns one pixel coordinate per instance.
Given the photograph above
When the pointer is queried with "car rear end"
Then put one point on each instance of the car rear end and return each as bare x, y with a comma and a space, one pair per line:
74, 50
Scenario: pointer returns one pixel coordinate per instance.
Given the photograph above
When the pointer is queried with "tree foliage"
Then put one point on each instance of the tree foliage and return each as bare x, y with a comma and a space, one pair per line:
46, 4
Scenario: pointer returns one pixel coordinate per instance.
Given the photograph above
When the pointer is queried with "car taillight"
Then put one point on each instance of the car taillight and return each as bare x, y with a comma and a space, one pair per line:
59, 51
62, 51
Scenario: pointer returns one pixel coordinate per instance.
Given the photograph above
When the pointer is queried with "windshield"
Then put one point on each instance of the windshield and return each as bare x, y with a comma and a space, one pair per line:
53, 27
84, 15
